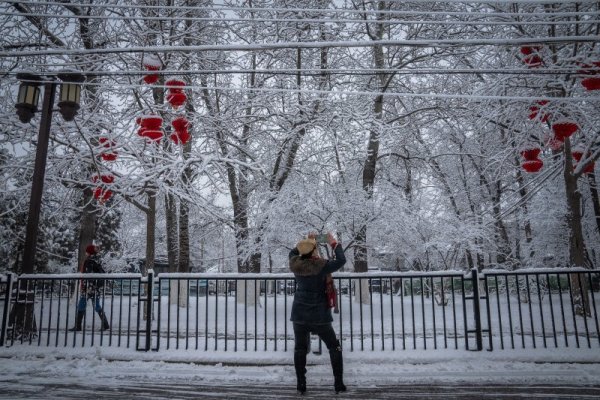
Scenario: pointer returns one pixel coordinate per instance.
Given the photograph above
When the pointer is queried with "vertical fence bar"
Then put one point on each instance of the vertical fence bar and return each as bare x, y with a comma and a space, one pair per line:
266, 306
402, 313
351, 290
149, 301
454, 313
584, 300
206, 293
371, 313
500, 330
235, 319
381, 315
187, 313
594, 304
226, 310
216, 313
539, 290
197, 311
275, 283
422, 284
392, 313
431, 281
530, 310
562, 310
573, 313
489, 312
520, 311
476, 309
360, 304
9, 280
464, 301
444, 302
60, 285
412, 313
510, 321
551, 309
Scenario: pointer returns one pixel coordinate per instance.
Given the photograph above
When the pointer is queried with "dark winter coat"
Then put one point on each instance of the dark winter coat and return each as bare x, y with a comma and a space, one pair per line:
92, 265
310, 301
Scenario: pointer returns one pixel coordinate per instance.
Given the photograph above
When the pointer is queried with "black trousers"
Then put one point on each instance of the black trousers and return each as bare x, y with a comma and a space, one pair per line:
302, 336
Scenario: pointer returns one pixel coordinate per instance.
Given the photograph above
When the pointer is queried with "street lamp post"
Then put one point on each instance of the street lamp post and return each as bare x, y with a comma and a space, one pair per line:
22, 318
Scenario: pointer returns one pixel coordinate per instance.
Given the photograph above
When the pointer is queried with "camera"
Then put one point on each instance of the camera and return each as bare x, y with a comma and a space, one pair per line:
321, 238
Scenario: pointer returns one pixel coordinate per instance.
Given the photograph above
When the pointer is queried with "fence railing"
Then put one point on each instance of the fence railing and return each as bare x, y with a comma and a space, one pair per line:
250, 312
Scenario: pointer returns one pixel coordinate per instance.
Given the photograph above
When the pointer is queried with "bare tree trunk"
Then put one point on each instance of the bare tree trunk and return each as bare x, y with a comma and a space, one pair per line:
150, 239
579, 285
595, 199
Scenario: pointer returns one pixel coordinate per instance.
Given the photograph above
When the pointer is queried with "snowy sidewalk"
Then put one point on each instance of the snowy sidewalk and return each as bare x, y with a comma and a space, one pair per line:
32, 372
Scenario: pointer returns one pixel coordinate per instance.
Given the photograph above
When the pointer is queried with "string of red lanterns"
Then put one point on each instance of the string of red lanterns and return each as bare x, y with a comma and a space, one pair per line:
531, 163
561, 128
102, 192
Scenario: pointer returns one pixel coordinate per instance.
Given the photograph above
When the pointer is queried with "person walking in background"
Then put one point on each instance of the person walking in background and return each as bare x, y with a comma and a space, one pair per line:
90, 289
310, 309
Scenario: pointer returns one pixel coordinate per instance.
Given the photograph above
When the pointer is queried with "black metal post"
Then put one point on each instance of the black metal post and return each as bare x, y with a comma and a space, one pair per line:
476, 309
37, 186
21, 318
5, 309
149, 301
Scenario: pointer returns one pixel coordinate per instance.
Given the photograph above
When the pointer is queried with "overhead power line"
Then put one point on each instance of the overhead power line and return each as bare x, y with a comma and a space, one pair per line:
357, 93
312, 71
312, 20
374, 12
308, 45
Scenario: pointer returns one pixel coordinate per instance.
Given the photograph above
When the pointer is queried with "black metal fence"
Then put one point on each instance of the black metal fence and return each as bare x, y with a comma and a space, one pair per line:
250, 312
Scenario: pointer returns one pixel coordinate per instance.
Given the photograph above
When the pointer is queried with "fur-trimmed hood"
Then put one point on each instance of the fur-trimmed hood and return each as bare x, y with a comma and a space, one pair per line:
306, 266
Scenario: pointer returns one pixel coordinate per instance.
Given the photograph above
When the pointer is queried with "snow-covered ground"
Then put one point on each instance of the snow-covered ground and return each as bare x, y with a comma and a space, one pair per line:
26, 371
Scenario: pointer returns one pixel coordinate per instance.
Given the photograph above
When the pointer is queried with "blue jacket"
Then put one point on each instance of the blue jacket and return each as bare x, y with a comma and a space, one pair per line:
310, 301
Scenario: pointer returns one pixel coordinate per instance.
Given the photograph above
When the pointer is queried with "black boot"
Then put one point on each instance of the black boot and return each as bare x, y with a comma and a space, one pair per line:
78, 321
105, 324
300, 365
337, 365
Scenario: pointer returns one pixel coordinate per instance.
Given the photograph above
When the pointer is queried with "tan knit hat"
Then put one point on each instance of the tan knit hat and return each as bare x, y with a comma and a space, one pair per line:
306, 246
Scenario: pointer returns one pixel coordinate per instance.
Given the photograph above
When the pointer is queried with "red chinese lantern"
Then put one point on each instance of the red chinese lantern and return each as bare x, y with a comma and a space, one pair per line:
152, 122
151, 63
527, 50
563, 129
102, 194
554, 144
535, 111
175, 85
181, 137
530, 152
532, 165
532, 58
577, 154
589, 168
153, 134
180, 123
176, 99
150, 79
589, 69
142, 132
110, 155
591, 84
103, 178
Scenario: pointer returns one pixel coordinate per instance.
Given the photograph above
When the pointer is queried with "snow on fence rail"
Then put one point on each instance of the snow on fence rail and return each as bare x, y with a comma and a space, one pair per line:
250, 312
